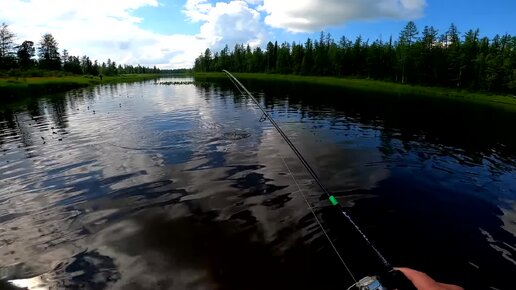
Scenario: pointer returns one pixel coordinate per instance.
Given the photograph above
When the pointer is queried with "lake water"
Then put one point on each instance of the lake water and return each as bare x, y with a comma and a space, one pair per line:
183, 186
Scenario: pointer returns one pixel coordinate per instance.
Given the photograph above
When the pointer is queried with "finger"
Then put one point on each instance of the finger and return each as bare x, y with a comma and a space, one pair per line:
423, 281
450, 287
419, 279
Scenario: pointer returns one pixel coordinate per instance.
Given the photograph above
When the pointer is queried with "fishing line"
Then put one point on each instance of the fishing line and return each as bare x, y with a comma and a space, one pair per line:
317, 220
314, 175
262, 119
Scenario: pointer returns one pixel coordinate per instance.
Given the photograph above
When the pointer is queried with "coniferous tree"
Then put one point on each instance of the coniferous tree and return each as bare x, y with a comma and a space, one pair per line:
71, 64
48, 53
26, 53
408, 36
429, 55
7, 51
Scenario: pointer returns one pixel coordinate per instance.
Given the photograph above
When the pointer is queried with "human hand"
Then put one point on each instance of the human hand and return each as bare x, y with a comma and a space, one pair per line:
423, 282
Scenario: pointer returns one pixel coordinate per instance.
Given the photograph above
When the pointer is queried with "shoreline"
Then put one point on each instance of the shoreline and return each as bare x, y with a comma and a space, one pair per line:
12, 88
381, 87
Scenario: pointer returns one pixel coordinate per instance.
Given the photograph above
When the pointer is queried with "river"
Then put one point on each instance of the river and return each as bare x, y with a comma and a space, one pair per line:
175, 184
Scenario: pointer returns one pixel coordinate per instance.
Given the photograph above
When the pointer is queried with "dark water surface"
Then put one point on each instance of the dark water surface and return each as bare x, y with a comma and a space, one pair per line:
149, 186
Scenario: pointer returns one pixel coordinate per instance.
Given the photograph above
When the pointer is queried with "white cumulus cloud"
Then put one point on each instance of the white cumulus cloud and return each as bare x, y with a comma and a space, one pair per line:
105, 29
231, 23
227, 22
101, 29
312, 15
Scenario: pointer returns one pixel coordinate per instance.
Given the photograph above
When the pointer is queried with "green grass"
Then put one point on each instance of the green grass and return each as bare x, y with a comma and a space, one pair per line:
13, 87
505, 102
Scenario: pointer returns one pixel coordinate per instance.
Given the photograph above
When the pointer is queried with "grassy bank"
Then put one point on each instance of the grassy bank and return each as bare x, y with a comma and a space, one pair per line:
12, 87
380, 87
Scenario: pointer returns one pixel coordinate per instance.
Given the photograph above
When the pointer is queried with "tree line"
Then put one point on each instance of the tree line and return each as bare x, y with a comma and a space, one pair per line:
21, 58
427, 58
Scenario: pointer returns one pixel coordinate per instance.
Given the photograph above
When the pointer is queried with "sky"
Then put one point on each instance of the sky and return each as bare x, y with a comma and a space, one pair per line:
172, 33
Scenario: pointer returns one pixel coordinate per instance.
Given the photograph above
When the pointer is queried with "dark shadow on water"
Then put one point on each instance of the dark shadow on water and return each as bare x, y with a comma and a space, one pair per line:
475, 128
254, 184
433, 230
233, 253
201, 252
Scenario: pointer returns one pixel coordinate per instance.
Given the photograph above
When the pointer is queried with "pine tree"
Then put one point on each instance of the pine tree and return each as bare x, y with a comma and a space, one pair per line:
48, 53
408, 36
7, 52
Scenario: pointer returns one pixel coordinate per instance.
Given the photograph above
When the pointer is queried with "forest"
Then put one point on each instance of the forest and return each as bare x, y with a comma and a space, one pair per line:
451, 59
20, 59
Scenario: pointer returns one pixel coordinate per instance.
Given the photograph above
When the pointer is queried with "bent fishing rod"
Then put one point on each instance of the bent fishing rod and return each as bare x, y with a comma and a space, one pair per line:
394, 278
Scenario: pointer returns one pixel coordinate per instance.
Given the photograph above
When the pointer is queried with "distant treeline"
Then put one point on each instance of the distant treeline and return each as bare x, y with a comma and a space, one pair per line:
20, 59
449, 60
179, 71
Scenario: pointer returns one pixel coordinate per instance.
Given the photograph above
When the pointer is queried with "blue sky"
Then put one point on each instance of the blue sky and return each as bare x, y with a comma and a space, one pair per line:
495, 17
171, 33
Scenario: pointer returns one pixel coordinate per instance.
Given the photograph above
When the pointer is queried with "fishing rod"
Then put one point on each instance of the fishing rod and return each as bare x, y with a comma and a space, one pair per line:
393, 278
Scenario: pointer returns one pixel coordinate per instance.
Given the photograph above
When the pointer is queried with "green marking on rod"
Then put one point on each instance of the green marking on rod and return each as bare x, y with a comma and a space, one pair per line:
333, 200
